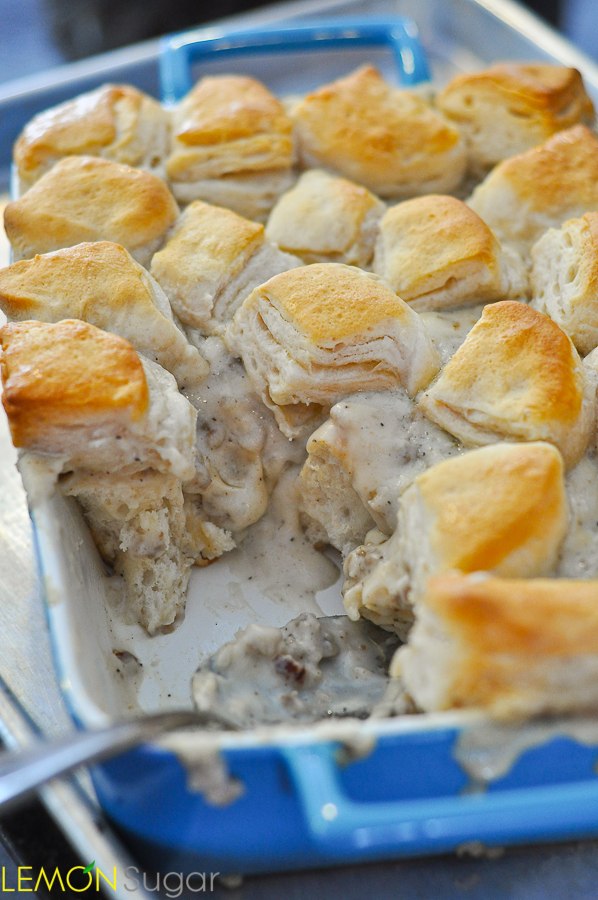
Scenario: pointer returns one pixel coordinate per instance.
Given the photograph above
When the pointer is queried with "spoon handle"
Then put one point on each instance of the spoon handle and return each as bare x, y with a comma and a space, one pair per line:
21, 773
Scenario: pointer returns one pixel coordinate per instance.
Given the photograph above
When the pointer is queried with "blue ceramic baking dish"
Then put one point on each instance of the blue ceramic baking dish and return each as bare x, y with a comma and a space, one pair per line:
333, 793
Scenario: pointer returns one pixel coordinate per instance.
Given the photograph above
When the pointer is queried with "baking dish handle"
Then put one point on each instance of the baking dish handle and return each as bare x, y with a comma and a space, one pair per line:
179, 51
338, 824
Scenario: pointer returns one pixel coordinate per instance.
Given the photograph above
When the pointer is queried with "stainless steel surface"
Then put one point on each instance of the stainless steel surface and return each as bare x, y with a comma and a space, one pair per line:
71, 806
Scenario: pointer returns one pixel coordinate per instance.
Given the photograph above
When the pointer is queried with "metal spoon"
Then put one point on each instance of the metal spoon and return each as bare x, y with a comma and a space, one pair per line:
23, 772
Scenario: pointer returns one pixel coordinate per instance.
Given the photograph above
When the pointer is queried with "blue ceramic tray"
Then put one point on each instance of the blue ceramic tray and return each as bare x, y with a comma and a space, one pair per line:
179, 52
301, 805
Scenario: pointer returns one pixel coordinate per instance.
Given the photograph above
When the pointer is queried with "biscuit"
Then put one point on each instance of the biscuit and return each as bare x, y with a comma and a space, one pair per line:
510, 107
230, 127
564, 279
78, 393
359, 462
85, 198
539, 189
387, 139
326, 219
517, 376
84, 406
436, 253
512, 648
117, 122
331, 510
211, 261
249, 195
314, 334
241, 452
501, 509
101, 284
138, 523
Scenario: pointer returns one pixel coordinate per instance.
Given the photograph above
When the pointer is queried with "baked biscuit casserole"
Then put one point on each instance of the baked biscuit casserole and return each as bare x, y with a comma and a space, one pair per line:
240, 308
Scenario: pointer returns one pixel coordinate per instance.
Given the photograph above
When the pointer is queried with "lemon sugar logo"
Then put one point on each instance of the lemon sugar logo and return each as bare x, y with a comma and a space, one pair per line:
170, 884
91, 879
78, 879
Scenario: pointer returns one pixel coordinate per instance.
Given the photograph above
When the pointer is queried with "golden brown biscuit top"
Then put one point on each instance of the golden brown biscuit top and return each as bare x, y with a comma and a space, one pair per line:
519, 361
561, 172
86, 124
227, 108
89, 198
551, 617
528, 87
362, 117
68, 373
491, 502
329, 302
431, 234
321, 212
100, 273
540, 79
209, 238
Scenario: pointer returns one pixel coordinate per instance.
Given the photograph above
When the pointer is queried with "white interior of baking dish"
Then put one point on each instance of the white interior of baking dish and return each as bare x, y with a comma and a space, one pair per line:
92, 641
